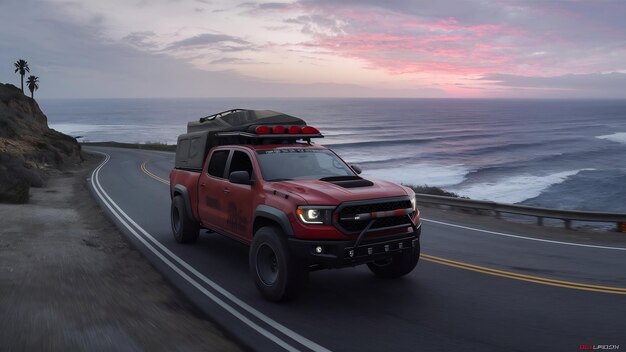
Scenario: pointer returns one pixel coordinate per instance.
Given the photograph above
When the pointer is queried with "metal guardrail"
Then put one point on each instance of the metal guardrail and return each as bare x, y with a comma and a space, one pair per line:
540, 213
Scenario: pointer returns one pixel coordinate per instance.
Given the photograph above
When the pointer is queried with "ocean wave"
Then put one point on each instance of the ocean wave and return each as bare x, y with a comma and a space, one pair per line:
619, 137
542, 146
422, 174
381, 143
514, 189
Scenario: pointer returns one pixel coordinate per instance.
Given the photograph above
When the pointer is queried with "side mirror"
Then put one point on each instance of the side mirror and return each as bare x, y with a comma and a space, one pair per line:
356, 169
240, 177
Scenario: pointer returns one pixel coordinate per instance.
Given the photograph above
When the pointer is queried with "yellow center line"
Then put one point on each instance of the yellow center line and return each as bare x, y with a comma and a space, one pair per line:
147, 172
522, 277
482, 269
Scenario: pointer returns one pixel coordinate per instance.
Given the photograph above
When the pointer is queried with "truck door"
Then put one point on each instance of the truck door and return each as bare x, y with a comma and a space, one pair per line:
239, 199
212, 206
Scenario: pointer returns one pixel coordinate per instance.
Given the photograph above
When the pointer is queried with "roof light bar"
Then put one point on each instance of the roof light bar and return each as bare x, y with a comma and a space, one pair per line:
280, 130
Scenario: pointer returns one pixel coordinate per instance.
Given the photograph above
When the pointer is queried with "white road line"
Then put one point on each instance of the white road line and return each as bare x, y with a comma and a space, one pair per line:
110, 204
524, 237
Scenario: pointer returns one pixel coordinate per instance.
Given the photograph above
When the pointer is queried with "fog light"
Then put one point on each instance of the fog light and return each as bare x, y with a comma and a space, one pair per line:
351, 253
370, 250
319, 249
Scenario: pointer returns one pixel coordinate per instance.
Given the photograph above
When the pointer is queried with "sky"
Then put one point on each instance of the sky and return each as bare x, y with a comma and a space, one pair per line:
317, 48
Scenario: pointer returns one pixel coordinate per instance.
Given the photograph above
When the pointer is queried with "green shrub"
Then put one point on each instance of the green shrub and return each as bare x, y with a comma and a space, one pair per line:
19, 193
435, 191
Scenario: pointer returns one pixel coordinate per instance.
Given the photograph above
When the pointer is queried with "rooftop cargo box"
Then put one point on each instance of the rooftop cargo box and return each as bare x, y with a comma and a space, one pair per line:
202, 135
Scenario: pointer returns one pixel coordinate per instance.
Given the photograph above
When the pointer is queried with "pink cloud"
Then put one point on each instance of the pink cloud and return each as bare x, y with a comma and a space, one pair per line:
453, 53
541, 39
400, 43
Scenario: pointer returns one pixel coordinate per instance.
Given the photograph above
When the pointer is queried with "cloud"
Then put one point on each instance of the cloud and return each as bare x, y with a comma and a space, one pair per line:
232, 60
142, 39
207, 39
266, 6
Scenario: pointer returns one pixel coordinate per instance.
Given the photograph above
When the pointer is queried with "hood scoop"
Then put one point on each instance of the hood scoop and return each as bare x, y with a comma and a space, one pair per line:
348, 181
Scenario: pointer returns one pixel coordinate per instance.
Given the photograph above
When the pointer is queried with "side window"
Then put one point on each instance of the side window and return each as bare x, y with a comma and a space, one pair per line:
240, 162
217, 164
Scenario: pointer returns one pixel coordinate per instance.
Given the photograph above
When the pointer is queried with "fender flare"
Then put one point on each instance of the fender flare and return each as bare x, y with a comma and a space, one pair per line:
183, 192
276, 215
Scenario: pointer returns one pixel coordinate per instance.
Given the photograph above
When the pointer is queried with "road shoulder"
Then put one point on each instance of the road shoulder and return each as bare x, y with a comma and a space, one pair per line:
69, 280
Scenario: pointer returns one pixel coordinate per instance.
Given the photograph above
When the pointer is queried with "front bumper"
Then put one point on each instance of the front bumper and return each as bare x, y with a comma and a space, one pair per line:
337, 254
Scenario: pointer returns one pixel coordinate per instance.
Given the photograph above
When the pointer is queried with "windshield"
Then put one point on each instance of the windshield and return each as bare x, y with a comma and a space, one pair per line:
301, 164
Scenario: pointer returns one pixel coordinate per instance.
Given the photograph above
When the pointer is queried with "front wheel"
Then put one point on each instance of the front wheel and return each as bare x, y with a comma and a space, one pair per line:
398, 265
277, 274
184, 228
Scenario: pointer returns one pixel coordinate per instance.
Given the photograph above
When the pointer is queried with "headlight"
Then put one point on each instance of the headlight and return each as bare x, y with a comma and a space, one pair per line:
413, 205
315, 214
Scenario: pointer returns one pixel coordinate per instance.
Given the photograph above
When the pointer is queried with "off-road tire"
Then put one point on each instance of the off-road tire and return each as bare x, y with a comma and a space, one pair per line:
184, 228
398, 265
277, 274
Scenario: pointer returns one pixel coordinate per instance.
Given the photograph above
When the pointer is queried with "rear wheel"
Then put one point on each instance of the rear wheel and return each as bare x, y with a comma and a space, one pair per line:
397, 265
278, 275
184, 228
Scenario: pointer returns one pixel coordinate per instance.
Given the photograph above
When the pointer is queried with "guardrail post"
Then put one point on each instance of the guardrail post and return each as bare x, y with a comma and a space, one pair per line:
540, 220
568, 224
621, 227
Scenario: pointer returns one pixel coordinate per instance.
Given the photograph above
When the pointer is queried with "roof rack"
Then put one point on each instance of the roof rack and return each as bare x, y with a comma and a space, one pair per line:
219, 114
238, 126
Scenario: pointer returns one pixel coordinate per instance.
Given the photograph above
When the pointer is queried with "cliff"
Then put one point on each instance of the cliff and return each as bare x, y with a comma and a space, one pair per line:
29, 149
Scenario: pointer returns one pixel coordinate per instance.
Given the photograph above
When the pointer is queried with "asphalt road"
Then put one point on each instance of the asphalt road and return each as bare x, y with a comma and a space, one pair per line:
472, 291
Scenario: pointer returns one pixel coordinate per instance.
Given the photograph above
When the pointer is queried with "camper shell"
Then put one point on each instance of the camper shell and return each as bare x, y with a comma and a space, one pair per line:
236, 126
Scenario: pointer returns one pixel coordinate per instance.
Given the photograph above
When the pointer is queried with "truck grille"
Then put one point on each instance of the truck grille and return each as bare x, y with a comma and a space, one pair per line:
351, 226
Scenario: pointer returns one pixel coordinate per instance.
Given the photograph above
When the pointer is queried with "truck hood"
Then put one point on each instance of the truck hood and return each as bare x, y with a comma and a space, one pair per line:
317, 192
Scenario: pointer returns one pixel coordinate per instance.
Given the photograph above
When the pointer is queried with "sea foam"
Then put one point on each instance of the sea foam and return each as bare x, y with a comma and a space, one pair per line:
514, 189
619, 137
422, 174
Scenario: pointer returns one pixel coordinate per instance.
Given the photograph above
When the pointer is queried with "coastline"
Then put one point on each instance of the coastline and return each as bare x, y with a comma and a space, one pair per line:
71, 281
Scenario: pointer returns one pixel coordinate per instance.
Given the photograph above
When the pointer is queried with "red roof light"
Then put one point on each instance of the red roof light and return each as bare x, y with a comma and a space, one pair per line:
262, 130
279, 130
310, 130
295, 130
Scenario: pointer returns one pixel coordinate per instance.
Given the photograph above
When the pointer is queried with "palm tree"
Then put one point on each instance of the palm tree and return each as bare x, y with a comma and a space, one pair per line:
21, 66
33, 85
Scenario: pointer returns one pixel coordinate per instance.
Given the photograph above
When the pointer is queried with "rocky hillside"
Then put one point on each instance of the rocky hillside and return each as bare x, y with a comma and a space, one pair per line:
29, 149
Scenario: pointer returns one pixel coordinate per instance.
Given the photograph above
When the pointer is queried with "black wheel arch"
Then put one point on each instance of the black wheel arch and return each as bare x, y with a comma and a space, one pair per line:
264, 215
180, 190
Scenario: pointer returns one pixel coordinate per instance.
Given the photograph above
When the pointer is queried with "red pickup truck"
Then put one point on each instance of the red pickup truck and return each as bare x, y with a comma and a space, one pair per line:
255, 176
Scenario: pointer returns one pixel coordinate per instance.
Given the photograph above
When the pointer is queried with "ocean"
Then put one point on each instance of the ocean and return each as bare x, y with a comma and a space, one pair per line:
562, 154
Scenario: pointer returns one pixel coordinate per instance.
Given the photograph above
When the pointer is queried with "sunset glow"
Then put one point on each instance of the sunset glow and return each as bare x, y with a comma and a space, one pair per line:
325, 47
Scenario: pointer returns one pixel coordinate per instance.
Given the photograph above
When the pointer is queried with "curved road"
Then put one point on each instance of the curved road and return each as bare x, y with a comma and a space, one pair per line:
473, 290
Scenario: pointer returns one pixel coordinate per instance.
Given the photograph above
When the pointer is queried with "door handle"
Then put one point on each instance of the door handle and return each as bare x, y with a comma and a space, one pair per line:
226, 190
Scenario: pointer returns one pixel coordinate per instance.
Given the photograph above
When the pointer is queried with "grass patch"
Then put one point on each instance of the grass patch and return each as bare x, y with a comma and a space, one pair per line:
147, 146
435, 191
